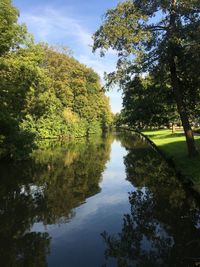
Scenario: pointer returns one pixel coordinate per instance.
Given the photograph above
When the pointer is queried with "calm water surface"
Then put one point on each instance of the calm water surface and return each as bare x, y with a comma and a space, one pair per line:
108, 201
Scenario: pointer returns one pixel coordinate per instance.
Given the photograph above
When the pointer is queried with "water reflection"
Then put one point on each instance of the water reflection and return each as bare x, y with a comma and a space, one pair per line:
162, 228
46, 189
61, 187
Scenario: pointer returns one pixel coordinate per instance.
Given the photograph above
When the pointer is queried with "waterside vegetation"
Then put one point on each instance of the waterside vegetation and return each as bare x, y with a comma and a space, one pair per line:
157, 44
44, 91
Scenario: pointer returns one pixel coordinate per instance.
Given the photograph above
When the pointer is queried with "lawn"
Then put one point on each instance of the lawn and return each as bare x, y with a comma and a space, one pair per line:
174, 146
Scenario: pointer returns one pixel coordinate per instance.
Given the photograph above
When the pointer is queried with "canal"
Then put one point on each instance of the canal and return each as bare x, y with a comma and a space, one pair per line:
107, 201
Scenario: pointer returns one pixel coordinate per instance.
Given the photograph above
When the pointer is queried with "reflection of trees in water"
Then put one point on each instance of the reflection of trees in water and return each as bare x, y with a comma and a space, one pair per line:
162, 227
46, 189
71, 176
18, 211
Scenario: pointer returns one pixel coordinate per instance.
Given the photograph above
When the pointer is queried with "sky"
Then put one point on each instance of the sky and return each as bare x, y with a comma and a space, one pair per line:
71, 23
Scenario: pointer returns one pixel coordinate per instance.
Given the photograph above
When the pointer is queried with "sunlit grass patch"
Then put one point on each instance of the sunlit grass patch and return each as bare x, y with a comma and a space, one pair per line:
174, 146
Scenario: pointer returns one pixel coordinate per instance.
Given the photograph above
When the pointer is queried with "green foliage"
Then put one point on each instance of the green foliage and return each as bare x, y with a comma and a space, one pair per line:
44, 91
11, 33
161, 39
148, 103
118, 119
78, 88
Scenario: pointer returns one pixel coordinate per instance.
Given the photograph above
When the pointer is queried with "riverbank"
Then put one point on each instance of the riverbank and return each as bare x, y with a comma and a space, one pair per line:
174, 147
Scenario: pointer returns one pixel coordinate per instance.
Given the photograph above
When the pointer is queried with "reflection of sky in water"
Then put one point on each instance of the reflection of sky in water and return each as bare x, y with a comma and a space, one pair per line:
101, 212
161, 225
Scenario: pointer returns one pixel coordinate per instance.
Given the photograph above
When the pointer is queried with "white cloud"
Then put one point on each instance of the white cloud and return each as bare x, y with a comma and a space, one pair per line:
48, 24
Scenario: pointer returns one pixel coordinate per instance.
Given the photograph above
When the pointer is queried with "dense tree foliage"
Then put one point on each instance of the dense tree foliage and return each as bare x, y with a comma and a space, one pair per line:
147, 105
71, 101
160, 37
44, 91
11, 33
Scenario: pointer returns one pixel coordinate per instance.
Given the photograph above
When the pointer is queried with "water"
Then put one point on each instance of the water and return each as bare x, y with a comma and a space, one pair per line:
108, 201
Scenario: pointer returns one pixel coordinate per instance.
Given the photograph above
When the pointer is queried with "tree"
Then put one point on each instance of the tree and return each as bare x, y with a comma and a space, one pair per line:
146, 104
79, 90
46, 94
44, 91
22, 81
11, 33
148, 35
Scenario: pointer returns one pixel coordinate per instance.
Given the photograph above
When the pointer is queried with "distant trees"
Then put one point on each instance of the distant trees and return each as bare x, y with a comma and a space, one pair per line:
146, 104
44, 91
73, 103
159, 37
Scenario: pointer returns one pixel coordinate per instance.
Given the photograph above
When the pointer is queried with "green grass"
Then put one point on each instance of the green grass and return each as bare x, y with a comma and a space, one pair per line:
174, 146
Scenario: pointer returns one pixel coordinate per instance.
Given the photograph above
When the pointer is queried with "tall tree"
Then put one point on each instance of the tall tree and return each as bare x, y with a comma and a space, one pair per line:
148, 34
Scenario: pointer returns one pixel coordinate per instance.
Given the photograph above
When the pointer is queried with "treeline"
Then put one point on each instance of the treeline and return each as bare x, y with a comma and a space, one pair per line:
44, 91
149, 103
158, 67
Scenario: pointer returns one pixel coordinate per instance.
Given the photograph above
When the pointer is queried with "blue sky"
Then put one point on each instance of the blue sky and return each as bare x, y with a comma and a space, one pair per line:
71, 23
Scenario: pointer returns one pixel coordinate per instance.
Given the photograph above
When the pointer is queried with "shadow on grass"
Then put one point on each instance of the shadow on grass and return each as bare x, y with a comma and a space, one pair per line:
189, 167
163, 136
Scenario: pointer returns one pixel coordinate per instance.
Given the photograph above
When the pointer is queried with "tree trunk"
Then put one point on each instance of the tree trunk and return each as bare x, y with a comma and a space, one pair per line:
173, 128
175, 82
192, 151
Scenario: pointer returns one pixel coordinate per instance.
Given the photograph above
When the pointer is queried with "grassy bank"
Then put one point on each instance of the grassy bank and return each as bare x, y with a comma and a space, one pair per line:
174, 146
